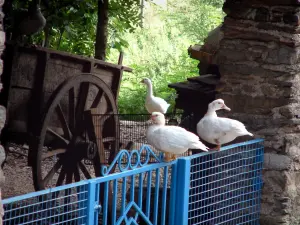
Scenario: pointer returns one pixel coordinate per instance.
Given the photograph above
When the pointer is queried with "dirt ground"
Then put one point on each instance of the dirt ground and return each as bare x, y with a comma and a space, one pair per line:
18, 178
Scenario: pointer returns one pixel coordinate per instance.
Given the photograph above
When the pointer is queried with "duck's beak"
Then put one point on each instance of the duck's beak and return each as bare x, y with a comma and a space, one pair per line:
142, 81
225, 107
150, 119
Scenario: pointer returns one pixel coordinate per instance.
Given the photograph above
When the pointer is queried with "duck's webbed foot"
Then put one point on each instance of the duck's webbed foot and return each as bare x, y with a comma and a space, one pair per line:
218, 147
169, 157
173, 156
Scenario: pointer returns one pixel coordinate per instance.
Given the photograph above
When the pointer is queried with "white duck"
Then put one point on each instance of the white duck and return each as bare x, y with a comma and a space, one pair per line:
154, 104
217, 130
172, 140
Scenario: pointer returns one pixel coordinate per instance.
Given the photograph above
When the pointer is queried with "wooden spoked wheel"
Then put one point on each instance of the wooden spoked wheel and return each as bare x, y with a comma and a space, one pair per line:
79, 126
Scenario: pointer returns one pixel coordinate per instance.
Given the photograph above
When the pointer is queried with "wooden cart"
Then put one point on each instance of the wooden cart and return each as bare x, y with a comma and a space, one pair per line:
51, 97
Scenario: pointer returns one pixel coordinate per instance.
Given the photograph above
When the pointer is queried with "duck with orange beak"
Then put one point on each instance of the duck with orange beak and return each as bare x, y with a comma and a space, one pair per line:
217, 130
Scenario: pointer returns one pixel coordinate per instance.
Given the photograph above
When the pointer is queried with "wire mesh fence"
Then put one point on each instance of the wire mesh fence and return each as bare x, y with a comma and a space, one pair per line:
225, 186
208, 188
64, 205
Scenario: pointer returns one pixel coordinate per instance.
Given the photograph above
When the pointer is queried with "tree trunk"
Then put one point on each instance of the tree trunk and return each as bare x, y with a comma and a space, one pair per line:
101, 35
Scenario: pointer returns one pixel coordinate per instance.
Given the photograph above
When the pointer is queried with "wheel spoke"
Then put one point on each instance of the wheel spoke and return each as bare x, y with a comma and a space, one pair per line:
64, 123
105, 117
72, 109
69, 175
69, 104
82, 97
76, 174
52, 132
51, 173
97, 99
61, 177
53, 153
109, 106
84, 170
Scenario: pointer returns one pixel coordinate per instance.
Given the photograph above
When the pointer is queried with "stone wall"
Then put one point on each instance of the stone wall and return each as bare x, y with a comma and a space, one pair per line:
259, 59
2, 109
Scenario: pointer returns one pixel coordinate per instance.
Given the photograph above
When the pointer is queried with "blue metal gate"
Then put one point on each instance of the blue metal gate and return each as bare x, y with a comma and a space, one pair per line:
208, 188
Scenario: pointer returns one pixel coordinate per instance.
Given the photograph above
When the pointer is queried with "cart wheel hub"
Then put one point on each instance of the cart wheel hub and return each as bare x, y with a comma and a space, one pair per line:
83, 150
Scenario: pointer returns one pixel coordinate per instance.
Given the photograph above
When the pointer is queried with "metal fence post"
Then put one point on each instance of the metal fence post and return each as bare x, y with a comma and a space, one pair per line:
182, 191
93, 206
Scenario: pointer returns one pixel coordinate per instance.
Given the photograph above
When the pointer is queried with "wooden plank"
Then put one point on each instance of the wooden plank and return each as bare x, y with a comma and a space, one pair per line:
209, 79
65, 56
196, 52
191, 86
120, 60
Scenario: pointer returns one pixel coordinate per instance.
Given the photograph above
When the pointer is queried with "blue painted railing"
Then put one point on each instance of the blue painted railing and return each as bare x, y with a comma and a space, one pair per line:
208, 188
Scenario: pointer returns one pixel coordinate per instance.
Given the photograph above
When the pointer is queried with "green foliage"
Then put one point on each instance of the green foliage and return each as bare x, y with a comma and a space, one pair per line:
124, 16
72, 23
159, 50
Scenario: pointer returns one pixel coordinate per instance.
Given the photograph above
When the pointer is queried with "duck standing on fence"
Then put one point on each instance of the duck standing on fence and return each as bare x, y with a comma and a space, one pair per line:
172, 140
154, 104
217, 130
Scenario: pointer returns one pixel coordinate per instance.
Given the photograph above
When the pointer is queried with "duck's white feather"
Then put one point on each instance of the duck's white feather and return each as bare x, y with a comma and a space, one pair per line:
217, 130
156, 104
153, 103
173, 139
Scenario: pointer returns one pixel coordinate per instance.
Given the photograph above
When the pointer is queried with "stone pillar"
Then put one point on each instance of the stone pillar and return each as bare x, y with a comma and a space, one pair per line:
2, 109
259, 59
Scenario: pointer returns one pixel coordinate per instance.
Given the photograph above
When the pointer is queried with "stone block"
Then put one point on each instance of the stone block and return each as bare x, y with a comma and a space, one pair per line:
2, 158
292, 145
1, 67
277, 162
262, 14
238, 103
290, 111
293, 19
266, 219
2, 117
259, 31
282, 55
2, 41
274, 182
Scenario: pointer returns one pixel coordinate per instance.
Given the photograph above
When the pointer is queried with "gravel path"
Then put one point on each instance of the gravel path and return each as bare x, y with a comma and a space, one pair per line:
18, 178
